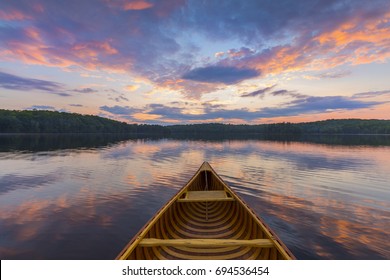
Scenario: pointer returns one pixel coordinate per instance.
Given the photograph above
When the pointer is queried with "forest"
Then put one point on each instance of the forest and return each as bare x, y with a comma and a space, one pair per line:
40, 121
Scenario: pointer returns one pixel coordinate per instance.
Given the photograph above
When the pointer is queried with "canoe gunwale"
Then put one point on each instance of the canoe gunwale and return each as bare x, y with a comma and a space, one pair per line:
181, 196
268, 231
142, 232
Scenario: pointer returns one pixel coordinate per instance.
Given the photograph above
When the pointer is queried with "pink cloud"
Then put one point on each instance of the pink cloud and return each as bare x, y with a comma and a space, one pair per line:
137, 5
118, 35
93, 49
356, 41
243, 52
88, 54
13, 15
128, 5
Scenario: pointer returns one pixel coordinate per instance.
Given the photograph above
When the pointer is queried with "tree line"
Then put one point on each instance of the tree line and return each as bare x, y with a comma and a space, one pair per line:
339, 126
39, 121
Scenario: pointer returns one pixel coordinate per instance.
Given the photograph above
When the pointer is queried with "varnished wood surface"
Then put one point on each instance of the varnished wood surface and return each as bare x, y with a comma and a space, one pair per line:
204, 196
205, 220
150, 242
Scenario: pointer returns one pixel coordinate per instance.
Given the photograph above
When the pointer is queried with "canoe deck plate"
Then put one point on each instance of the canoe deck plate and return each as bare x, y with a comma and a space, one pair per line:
200, 196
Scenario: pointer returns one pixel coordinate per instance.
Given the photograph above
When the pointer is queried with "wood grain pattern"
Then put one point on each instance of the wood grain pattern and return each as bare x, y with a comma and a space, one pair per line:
205, 220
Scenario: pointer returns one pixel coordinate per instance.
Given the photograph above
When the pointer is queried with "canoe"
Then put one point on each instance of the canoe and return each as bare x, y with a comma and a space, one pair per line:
205, 220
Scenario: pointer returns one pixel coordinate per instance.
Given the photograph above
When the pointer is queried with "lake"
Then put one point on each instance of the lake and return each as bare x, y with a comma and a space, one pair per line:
85, 196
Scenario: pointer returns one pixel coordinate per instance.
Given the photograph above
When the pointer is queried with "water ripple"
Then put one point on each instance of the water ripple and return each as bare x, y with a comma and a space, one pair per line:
86, 201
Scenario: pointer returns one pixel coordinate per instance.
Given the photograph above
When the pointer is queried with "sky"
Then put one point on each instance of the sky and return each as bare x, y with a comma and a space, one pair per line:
178, 62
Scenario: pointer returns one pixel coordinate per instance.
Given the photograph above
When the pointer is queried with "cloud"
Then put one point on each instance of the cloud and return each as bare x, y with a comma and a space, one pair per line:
12, 15
111, 36
137, 5
313, 105
302, 105
369, 94
242, 52
259, 36
290, 93
9, 81
268, 90
132, 87
64, 94
220, 74
260, 92
121, 98
13, 82
120, 110
334, 75
85, 90
41, 107
219, 54
235, 53
129, 5
281, 92
331, 36
76, 105
179, 112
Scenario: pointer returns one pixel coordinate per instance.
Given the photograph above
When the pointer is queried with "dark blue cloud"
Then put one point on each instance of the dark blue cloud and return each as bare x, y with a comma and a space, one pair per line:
282, 92
120, 110
254, 21
210, 112
313, 105
154, 42
260, 92
41, 107
13, 82
302, 105
335, 75
85, 90
61, 93
369, 94
268, 90
170, 112
121, 98
220, 74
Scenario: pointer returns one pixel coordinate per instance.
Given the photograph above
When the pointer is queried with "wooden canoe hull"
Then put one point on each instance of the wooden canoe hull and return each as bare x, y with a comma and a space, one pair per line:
205, 220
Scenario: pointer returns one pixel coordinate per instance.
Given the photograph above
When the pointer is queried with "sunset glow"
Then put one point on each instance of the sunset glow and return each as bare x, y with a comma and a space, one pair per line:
177, 61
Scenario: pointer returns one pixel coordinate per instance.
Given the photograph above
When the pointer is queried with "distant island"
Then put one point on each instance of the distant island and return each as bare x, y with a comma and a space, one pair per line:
38, 121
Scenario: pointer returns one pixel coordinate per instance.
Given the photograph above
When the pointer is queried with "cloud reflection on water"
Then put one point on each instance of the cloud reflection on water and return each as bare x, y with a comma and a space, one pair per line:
327, 202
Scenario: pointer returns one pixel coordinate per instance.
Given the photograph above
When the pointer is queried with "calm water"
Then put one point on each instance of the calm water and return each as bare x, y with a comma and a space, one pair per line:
84, 197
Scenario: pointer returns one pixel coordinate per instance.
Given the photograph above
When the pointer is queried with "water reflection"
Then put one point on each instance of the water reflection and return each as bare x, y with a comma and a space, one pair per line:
52, 142
85, 200
10, 182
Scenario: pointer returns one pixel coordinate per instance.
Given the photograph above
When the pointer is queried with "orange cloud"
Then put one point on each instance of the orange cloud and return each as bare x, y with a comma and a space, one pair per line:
30, 53
33, 33
380, 112
137, 5
367, 42
132, 87
192, 89
146, 117
90, 55
94, 49
356, 41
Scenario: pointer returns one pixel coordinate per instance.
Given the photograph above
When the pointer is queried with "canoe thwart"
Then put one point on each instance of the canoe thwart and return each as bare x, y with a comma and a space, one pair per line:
205, 220
200, 196
150, 242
